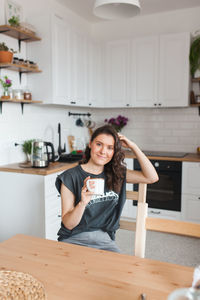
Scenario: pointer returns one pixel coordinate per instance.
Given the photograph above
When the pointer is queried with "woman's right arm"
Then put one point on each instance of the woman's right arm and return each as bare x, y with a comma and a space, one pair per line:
71, 214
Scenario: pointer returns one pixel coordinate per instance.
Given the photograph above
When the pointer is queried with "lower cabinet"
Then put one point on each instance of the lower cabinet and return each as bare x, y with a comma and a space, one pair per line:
190, 199
191, 191
30, 204
52, 207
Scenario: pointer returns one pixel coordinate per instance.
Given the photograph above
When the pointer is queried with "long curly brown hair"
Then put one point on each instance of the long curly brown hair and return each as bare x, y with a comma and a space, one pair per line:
114, 169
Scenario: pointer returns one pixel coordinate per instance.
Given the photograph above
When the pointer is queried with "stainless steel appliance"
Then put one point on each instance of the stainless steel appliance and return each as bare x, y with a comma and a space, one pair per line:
40, 155
166, 193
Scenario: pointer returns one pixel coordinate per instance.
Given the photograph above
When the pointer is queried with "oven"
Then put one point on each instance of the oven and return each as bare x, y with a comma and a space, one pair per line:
166, 193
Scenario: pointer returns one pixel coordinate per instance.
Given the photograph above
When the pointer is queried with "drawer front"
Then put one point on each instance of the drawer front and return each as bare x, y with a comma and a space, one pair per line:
191, 208
191, 178
50, 188
52, 202
162, 213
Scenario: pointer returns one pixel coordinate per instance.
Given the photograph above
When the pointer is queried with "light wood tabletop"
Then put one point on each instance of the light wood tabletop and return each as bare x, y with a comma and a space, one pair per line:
79, 273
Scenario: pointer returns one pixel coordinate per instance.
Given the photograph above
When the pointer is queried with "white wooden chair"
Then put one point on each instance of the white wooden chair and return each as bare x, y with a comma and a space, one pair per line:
143, 222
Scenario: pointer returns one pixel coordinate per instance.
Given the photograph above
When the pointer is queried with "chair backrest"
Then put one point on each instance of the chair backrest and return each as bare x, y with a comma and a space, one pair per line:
143, 222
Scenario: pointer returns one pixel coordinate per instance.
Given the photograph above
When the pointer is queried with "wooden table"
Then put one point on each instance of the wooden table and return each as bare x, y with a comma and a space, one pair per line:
75, 272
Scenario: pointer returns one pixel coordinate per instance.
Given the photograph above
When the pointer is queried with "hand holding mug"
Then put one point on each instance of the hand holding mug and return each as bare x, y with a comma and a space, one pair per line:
86, 195
95, 185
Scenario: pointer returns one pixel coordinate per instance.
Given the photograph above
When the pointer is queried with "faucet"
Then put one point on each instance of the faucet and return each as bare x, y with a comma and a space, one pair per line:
60, 150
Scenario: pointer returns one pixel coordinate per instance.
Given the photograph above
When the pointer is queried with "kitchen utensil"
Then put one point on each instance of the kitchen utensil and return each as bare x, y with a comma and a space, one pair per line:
40, 156
79, 122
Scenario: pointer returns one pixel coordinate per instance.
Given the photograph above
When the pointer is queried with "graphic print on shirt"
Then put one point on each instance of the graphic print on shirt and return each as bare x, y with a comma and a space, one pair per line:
109, 196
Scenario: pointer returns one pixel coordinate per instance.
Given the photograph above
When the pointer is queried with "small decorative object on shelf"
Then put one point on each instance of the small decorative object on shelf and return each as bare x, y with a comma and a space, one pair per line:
27, 28
6, 83
6, 54
13, 11
118, 123
27, 95
14, 21
18, 94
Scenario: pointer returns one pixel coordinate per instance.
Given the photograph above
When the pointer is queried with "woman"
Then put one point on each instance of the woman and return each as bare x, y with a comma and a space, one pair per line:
92, 220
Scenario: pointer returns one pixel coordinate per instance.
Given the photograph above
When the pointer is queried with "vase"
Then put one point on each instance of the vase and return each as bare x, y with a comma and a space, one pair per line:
6, 93
28, 157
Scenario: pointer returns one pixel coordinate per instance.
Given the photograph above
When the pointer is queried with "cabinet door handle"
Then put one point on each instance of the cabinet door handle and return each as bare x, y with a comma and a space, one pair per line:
127, 104
155, 212
155, 104
72, 102
159, 104
58, 196
199, 198
59, 216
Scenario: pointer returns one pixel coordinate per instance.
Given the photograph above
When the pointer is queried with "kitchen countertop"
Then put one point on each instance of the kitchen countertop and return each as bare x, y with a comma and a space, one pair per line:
189, 157
61, 166
52, 168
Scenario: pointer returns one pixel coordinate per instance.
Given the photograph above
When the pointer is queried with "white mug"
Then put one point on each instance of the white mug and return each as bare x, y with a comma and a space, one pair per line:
98, 188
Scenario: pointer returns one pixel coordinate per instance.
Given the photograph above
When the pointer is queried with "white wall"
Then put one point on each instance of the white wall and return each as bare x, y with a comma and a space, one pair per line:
38, 121
153, 129
168, 22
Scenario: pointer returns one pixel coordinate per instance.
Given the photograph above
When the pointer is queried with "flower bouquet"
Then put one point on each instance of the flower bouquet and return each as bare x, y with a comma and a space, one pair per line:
117, 123
6, 83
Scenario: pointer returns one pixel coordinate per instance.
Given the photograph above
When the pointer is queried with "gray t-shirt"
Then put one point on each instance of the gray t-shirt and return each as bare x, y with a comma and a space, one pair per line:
102, 212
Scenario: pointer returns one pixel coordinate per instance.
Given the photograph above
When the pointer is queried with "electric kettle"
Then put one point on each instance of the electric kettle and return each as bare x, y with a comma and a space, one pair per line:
40, 154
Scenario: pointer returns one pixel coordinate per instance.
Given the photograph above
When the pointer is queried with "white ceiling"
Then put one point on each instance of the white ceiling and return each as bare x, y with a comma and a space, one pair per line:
84, 8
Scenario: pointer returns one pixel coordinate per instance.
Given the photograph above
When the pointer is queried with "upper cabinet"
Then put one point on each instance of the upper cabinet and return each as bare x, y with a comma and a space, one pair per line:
117, 73
174, 70
61, 61
160, 71
144, 71
64, 58
95, 74
79, 64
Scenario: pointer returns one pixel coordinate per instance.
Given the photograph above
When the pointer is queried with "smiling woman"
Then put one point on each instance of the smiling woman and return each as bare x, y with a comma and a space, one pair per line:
91, 219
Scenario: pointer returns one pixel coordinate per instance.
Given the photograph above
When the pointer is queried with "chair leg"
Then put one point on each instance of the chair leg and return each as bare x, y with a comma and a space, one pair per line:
140, 233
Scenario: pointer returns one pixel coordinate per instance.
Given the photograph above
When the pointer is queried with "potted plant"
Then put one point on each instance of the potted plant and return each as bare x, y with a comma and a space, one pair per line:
6, 54
27, 147
14, 21
195, 57
117, 123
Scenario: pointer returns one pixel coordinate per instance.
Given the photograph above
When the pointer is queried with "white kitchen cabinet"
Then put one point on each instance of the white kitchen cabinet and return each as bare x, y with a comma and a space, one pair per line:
30, 206
144, 71
52, 207
79, 64
174, 70
52, 83
160, 70
117, 72
95, 74
61, 63
191, 191
63, 57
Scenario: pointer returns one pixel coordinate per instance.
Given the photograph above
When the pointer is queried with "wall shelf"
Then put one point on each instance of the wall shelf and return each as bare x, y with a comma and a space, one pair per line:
196, 79
19, 34
21, 101
19, 68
